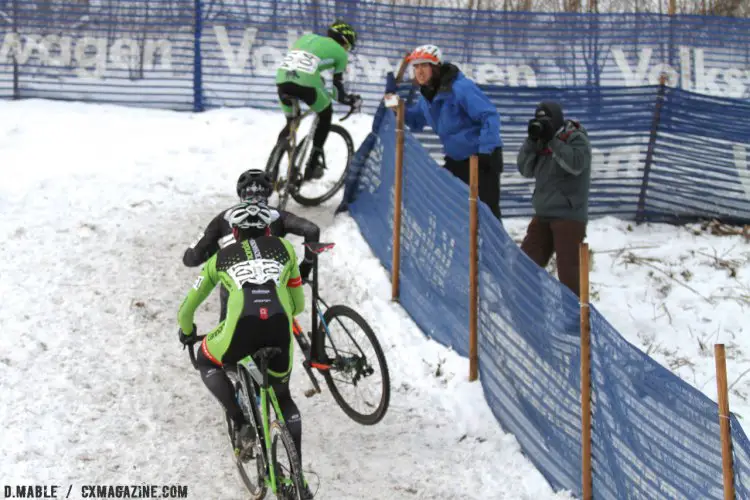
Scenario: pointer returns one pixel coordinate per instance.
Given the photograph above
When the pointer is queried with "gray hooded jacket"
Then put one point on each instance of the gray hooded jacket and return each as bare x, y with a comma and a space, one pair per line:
562, 170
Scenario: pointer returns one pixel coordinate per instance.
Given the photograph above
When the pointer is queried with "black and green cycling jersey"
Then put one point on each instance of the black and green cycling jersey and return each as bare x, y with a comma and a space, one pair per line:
309, 56
262, 278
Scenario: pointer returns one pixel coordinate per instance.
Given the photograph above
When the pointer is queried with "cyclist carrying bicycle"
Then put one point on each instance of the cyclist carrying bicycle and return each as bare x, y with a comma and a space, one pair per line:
254, 184
265, 294
298, 77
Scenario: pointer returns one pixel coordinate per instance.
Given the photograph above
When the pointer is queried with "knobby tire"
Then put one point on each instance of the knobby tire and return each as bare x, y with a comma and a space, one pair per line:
362, 418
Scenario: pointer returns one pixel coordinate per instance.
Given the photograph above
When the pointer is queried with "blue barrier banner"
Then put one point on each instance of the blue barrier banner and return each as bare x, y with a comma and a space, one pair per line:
432, 258
654, 435
529, 357
698, 167
700, 162
190, 54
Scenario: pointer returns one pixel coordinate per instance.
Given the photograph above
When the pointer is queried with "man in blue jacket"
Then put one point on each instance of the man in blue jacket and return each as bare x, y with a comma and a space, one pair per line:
462, 116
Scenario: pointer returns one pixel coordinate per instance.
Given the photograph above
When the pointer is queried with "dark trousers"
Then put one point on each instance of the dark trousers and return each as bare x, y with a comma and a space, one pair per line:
308, 96
562, 237
490, 168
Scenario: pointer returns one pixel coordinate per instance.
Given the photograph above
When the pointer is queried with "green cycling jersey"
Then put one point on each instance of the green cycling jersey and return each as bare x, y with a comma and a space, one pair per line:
307, 59
309, 56
262, 278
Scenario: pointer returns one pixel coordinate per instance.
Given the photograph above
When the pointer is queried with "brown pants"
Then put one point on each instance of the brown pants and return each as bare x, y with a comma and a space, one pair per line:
563, 237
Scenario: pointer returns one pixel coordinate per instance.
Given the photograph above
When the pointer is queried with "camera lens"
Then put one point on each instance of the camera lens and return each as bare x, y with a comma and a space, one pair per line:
535, 129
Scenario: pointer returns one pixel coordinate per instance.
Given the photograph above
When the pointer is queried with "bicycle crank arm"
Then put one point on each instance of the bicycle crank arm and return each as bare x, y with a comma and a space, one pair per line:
316, 387
305, 347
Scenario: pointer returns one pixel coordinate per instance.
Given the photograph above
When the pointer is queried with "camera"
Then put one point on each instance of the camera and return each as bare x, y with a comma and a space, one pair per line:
539, 128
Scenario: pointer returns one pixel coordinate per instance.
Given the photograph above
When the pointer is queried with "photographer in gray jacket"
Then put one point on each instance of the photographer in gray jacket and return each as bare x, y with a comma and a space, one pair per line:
557, 154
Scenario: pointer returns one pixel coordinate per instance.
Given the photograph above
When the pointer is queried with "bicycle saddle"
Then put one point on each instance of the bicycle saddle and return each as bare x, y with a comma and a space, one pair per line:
266, 353
287, 97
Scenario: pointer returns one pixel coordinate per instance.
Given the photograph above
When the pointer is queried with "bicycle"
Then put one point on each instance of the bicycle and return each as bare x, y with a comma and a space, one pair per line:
245, 375
297, 155
350, 362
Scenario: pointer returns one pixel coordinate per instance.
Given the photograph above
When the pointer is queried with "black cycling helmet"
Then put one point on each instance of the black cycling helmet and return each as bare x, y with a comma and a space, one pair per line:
254, 183
344, 34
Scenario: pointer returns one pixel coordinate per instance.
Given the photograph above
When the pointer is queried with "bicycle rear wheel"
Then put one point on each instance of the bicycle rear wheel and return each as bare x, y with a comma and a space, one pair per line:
286, 463
339, 151
357, 357
278, 161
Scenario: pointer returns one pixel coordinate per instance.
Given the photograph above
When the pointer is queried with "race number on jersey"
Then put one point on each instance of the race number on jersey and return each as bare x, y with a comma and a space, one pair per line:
256, 272
299, 60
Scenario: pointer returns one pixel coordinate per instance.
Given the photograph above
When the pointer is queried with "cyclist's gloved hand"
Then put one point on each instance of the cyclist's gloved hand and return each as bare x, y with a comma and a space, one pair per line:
354, 101
188, 339
304, 270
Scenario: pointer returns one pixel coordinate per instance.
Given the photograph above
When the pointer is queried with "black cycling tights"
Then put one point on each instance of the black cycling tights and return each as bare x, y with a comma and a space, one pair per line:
220, 386
308, 96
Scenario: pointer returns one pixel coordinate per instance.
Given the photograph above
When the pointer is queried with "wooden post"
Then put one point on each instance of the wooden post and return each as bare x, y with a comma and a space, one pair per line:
640, 214
396, 262
587, 486
14, 30
724, 422
672, 7
473, 266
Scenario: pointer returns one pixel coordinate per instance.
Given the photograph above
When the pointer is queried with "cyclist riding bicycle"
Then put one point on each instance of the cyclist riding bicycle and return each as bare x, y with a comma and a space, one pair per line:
298, 77
265, 294
254, 184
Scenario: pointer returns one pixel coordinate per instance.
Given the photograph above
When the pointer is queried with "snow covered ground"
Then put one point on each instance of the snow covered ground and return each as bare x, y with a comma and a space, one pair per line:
98, 205
674, 292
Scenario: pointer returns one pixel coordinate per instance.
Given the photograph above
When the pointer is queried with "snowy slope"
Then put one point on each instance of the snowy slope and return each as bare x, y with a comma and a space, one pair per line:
98, 205
674, 292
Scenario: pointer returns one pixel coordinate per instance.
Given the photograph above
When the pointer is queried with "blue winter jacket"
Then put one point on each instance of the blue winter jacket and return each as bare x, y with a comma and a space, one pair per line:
464, 118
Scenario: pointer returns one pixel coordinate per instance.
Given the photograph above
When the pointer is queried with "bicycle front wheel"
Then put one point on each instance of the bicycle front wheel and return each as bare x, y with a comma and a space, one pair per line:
338, 151
286, 463
359, 369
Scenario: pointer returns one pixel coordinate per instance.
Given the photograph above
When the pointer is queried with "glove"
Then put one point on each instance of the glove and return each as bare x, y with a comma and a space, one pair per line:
354, 101
390, 83
541, 129
188, 339
304, 270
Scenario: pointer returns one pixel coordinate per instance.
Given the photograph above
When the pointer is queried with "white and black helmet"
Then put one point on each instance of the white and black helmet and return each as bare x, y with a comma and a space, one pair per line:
251, 215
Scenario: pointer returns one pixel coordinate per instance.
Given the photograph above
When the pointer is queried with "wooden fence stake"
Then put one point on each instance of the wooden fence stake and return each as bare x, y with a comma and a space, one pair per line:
724, 422
396, 262
473, 266
587, 486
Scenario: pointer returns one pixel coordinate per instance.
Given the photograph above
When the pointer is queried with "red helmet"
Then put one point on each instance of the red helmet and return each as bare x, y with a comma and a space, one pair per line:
430, 54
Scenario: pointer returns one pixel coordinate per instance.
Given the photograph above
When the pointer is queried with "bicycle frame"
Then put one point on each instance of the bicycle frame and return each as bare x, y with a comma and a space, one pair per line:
316, 315
294, 126
296, 153
247, 372
246, 366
